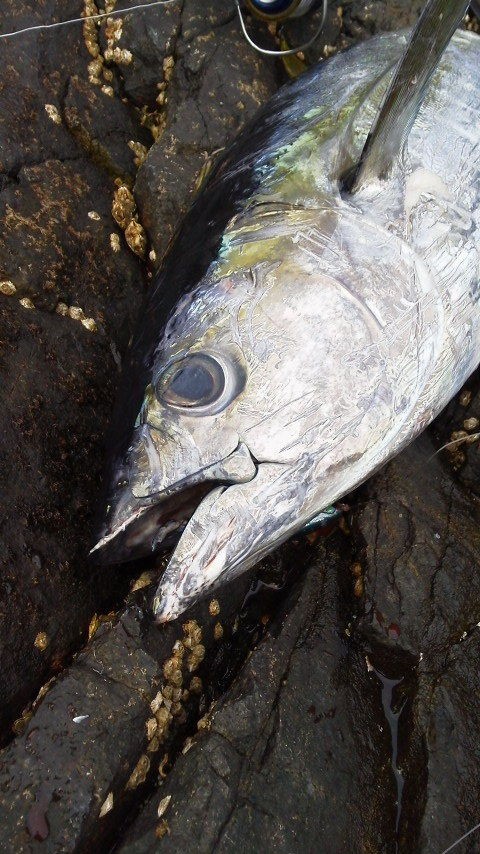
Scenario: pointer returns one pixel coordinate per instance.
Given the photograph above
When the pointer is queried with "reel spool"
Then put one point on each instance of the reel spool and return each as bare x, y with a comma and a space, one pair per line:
281, 10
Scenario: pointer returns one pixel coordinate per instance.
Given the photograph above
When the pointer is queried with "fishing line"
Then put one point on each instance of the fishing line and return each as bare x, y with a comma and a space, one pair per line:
451, 847
100, 15
84, 18
469, 440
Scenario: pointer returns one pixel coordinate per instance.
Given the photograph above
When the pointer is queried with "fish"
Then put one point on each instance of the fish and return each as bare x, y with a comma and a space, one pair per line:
299, 335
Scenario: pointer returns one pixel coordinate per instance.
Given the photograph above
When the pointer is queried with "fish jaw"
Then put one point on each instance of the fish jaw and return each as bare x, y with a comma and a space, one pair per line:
137, 524
232, 528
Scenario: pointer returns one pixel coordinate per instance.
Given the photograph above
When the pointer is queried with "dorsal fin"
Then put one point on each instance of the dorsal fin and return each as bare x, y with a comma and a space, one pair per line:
404, 96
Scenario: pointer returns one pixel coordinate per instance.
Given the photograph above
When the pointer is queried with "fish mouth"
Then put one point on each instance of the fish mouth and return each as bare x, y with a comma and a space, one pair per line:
148, 526
229, 515
137, 527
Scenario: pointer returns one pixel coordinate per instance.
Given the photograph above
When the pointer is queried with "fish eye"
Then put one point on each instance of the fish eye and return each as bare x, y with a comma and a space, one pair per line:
200, 383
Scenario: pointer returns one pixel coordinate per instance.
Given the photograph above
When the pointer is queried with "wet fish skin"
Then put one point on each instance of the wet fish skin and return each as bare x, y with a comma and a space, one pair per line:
341, 326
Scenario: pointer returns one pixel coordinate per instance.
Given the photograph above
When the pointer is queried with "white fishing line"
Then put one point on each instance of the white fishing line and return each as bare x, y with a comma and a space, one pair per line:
470, 439
97, 17
451, 847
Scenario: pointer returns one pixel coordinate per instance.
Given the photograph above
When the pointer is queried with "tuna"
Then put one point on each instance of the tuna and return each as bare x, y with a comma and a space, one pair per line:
299, 335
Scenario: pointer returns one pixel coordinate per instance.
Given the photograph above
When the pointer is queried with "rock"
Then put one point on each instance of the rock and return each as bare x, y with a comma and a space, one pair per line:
58, 376
365, 18
420, 555
98, 734
416, 537
217, 83
57, 382
77, 753
293, 756
150, 35
450, 724
103, 126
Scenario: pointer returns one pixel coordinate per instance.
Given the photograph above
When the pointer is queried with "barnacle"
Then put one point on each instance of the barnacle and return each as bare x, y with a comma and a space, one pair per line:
136, 238
106, 806
41, 641
7, 287
123, 206
139, 773
53, 113
214, 607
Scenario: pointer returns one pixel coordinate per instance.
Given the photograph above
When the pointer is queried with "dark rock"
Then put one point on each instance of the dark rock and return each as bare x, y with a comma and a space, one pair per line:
81, 747
57, 381
420, 556
58, 378
367, 18
150, 35
416, 534
103, 126
53, 251
450, 723
293, 757
33, 74
90, 728
217, 84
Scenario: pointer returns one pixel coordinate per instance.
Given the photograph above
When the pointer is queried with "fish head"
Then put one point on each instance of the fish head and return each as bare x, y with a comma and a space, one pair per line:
185, 434
270, 384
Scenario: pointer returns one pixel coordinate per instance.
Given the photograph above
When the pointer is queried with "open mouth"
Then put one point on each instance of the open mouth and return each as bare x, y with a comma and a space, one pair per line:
137, 527
229, 515
149, 527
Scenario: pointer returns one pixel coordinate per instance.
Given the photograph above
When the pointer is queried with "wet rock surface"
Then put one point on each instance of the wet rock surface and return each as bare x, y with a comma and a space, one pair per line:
294, 752
329, 699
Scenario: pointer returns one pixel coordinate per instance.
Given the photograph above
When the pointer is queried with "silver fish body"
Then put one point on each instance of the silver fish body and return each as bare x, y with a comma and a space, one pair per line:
298, 337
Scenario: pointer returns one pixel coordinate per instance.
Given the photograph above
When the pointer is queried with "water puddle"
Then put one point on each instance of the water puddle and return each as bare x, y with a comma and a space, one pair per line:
392, 718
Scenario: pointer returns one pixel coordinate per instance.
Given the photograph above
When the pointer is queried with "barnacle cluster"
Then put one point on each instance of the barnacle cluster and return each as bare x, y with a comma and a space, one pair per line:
76, 313
125, 214
98, 72
168, 704
472, 23
136, 237
114, 53
468, 436
123, 206
140, 152
154, 120
168, 66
